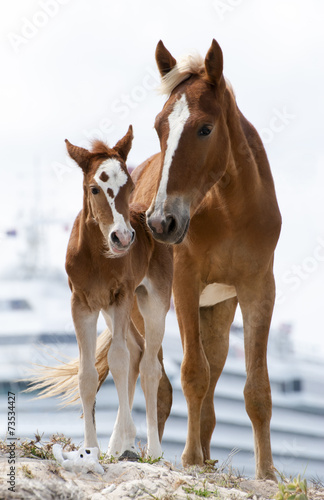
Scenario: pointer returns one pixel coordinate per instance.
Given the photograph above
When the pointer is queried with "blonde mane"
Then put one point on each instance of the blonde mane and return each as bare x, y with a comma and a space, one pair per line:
191, 64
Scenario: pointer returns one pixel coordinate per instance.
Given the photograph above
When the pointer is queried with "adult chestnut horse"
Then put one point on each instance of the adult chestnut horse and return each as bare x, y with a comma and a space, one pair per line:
210, 193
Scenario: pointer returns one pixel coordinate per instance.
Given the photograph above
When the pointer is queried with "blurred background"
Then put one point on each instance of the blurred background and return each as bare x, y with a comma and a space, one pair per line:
82, 70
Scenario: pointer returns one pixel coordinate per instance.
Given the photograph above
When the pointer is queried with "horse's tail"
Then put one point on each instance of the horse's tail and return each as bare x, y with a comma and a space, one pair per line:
62, 380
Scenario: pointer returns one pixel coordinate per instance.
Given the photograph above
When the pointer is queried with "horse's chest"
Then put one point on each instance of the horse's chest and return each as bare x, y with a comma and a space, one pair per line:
216, 292
102, 295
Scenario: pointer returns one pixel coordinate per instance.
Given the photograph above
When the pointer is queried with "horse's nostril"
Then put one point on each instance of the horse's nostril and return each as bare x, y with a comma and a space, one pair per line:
133, 236
170, 224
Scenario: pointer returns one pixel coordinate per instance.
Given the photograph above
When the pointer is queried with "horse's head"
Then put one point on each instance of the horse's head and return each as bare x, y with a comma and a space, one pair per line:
193, 137
107, 188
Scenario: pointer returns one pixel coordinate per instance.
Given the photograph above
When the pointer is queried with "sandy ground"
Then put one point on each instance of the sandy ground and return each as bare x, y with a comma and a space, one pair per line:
45, 480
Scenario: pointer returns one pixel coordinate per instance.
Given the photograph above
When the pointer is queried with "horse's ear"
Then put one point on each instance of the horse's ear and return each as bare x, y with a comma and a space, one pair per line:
80, 155
124, 145
164, 59
214, 63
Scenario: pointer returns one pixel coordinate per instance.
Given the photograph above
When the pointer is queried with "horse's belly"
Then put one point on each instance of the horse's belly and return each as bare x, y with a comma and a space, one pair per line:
215, 293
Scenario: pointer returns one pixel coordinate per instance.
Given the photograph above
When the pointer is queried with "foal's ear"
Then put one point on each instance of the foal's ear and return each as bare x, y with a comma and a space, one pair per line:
124, 145
214, 63
164, 59
80, 155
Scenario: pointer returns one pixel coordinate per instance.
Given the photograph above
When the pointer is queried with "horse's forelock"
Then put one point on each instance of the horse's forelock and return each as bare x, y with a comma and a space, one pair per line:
191, 64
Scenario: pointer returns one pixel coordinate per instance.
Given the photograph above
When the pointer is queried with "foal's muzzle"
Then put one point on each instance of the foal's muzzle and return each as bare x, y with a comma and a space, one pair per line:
120, 240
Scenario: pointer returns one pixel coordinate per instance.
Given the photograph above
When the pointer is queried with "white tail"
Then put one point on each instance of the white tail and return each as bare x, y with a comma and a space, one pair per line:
62, 380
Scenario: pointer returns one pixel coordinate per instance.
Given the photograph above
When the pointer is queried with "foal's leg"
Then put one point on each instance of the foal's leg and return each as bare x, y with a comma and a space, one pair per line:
164, 398
256, 301
124, 433
85, 323
194, 369
153, 309
165, 389
215, 323
135, 344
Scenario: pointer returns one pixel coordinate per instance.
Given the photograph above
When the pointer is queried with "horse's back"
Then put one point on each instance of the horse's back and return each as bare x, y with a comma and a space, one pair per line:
146, 178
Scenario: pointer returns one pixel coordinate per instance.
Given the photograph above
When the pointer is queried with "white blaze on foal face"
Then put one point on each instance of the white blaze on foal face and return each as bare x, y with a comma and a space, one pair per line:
111, 177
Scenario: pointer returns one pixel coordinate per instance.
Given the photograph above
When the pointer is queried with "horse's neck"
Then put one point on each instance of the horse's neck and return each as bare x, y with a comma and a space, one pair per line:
248, 172
247, 178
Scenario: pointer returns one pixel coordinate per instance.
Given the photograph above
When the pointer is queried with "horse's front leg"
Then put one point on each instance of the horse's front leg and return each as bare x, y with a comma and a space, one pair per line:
85, 323
123, 437
195, 373
215, 323
256, 300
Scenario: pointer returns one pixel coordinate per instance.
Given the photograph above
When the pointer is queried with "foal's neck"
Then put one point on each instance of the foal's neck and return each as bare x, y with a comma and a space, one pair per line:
90, 235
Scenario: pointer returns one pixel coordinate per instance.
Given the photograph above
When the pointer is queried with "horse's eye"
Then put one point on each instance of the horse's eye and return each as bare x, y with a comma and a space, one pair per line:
95, 190
204, 130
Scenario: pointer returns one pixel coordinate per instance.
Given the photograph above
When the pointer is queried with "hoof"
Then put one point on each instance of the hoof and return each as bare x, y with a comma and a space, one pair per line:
192, 457
268, 475
130, 456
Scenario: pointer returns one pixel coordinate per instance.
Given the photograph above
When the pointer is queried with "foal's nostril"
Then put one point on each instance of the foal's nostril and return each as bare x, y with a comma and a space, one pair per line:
114, 238
122, 239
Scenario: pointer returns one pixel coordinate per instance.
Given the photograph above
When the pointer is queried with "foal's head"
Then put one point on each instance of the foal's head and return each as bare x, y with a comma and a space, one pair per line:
193, 137
107, 188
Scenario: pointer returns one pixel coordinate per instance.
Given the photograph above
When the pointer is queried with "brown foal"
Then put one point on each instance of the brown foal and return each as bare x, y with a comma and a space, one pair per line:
111, 258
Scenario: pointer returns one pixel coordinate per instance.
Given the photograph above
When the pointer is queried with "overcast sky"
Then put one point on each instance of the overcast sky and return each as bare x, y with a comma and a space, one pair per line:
79, 69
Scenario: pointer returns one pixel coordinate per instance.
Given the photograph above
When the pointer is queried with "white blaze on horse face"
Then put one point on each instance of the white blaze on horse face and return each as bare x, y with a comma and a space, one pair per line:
111, 177
177, 120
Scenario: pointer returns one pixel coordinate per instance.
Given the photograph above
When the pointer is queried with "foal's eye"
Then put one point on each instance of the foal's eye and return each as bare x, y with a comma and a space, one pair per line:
95, 190
204, 130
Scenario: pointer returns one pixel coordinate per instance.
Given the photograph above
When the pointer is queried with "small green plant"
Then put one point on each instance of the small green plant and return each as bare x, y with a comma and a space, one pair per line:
150, 460
295, 490
200, 492
36, 448
143, 458
33, 448
108, 460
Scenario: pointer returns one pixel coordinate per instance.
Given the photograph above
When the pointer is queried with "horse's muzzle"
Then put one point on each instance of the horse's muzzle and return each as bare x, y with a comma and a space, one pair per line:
170, 227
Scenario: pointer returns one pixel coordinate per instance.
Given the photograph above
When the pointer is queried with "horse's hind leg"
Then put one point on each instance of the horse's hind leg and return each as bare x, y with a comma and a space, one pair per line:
215, 323
85, 324
256, 302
